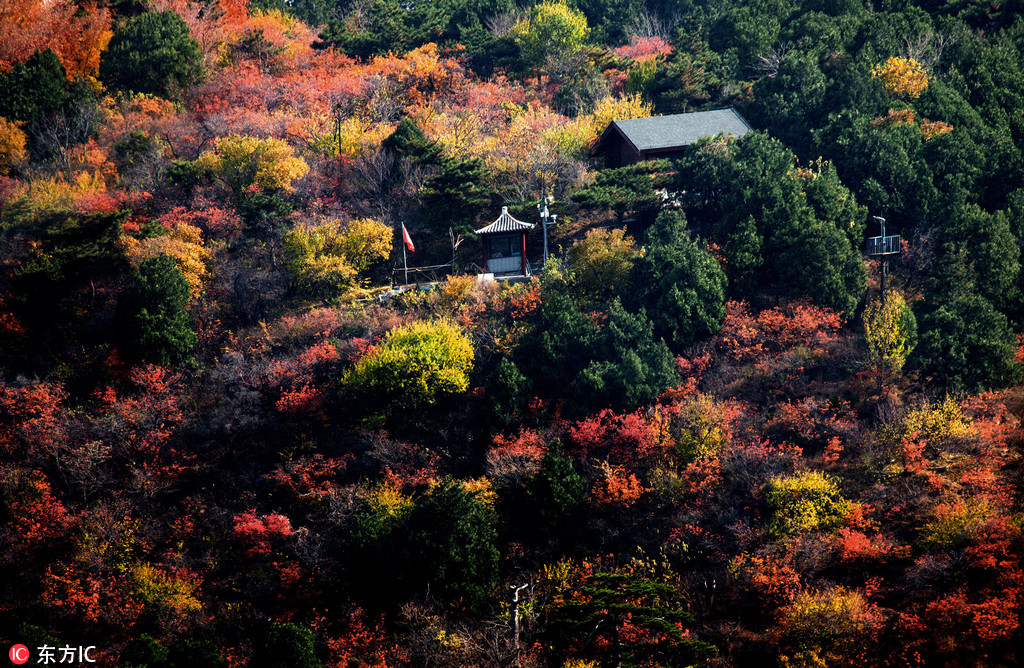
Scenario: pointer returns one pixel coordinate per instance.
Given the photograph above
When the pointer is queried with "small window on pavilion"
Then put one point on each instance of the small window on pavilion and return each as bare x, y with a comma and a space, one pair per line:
506, 247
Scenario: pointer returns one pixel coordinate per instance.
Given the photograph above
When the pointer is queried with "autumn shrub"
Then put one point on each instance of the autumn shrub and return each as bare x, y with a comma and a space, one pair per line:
953, 524
12, 146
751, 465
857, 547
932, 129
816, 424
243, 162
613, 108
454, 292
762, 338
771, 577
167, 592
513, 459
27, 499
76, 32
51, 195
808, 501
325, 260
830, 627
901, 443
260, 533
615, 486
620, 438
699, 426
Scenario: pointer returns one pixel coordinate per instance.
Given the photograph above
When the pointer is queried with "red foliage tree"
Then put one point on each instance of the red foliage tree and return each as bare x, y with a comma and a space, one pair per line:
35, 518
618, 438
259, 533
32, 421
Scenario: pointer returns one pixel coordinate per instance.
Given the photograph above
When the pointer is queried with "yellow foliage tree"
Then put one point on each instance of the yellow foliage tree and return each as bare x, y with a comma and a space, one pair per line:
600, 262
614, 108
890, 329
902, 76
184, 243
699, 427
551, 28
365, 242
325, 260
244, 161
12, 145
571, 138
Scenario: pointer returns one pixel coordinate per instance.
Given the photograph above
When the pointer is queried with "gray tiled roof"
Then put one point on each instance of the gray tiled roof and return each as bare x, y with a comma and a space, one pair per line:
505, 223
681, 129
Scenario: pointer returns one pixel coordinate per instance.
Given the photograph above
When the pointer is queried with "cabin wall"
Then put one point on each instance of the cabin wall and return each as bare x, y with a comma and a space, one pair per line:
501, 265
619, 152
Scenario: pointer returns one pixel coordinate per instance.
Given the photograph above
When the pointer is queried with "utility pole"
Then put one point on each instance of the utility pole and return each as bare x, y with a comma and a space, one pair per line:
515, 622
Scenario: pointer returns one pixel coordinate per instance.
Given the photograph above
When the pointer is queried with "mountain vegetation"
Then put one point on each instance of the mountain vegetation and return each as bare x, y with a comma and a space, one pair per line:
709, 430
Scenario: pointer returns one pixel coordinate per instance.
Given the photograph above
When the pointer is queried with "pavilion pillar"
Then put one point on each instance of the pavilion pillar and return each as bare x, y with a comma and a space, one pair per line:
522, 255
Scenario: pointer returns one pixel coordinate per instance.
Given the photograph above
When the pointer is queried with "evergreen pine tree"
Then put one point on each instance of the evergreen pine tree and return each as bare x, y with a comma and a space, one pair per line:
157, 327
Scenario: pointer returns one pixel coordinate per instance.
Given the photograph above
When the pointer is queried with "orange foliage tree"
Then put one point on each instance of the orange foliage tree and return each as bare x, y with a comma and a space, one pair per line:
76, 32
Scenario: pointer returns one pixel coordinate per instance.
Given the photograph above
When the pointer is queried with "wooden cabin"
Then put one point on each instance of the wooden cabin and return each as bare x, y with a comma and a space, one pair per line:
504, 243
630, 141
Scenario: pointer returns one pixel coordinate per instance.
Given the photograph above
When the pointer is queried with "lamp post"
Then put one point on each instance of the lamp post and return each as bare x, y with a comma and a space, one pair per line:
545, 216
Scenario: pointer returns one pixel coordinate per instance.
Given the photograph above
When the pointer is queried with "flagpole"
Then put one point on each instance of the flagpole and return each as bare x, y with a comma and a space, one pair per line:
404, 262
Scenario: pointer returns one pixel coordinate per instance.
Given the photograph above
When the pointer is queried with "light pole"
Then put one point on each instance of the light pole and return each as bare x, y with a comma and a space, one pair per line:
885, 258
545, 216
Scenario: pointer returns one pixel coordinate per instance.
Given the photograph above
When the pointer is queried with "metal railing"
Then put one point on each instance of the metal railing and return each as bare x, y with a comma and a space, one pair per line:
887, 245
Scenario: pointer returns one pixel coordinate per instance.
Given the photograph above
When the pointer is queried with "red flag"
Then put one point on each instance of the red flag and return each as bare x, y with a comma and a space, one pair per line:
407, 239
